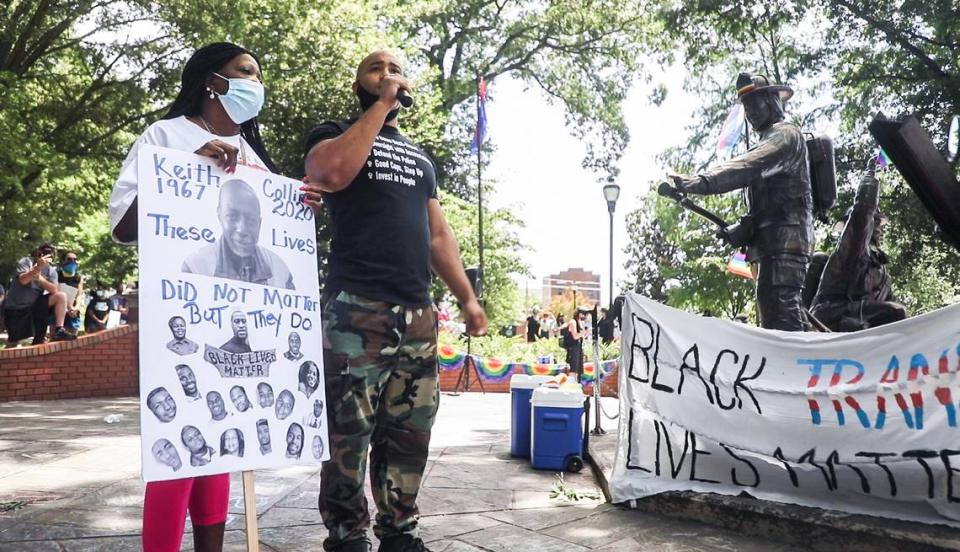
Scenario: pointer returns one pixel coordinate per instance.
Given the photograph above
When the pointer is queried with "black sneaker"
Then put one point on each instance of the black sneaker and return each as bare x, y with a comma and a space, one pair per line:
402, 543
62, 335
353, 546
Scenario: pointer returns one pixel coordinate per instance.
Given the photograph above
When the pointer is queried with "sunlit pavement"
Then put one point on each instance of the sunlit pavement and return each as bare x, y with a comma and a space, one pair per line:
79, 479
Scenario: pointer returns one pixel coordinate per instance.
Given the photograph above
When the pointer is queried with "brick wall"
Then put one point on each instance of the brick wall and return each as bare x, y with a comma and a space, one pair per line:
448, 382
103, 364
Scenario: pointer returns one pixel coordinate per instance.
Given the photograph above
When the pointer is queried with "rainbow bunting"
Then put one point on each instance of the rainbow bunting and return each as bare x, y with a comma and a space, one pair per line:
449, 358
540, 369
496, 370
492, 369
738, 266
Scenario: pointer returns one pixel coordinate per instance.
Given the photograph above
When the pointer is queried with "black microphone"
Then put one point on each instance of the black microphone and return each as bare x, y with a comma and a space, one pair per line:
406, 100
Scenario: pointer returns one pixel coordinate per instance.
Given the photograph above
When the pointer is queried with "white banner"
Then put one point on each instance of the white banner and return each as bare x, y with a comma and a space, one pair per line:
864, 422
231, 366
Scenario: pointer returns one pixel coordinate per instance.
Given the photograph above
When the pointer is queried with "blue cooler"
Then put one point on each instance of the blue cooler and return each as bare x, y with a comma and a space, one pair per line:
521, 389
557, 434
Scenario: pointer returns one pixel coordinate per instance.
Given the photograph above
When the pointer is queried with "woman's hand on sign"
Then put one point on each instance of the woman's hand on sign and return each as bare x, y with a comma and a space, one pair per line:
224, 153
311, 195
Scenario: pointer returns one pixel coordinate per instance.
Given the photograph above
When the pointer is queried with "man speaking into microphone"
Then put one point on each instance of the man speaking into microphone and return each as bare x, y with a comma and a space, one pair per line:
379, 336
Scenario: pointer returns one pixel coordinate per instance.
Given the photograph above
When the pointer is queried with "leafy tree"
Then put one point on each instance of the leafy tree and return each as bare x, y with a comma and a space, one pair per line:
569, 300
576, 52
80, 80
649, 251
502, 257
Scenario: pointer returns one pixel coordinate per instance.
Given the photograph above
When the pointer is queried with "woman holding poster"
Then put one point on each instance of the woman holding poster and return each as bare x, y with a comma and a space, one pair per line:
214, 115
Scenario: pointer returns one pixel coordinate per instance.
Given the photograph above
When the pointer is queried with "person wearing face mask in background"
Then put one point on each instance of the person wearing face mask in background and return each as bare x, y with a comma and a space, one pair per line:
214, 115
98, 310
379, 324
71, 283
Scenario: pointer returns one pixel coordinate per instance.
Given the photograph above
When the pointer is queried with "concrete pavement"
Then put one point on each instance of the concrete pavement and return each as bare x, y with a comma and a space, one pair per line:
79, 479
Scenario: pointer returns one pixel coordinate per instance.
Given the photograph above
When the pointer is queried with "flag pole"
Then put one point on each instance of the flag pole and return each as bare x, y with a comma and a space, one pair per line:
480, 276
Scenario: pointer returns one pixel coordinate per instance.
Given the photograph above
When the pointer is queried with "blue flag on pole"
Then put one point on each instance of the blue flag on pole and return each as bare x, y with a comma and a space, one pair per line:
480, 133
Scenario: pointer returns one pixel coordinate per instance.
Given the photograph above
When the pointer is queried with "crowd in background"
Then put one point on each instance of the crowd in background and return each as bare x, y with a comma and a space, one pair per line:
50, 299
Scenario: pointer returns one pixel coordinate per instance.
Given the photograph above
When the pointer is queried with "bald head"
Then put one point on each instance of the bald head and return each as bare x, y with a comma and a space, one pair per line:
386, 58
239, 214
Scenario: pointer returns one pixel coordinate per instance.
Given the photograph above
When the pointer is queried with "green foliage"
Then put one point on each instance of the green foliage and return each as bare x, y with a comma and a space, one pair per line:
80, 80
674, 256
649, 251
568, 301
576, 52
101, 258
502, 256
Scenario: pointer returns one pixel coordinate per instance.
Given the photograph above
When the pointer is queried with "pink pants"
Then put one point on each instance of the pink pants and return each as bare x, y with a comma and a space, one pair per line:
165, 506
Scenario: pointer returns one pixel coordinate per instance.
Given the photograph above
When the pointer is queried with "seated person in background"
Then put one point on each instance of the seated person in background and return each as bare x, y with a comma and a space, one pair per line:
98, 309
33, 294
69, 275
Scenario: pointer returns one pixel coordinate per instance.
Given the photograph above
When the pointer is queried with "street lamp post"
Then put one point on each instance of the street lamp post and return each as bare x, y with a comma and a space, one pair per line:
611, 192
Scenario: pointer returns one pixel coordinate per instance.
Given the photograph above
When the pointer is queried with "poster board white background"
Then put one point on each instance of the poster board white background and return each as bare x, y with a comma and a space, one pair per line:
181, 228
863, 422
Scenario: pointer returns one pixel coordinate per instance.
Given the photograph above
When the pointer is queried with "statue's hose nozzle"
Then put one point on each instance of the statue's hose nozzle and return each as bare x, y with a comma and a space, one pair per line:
666, 190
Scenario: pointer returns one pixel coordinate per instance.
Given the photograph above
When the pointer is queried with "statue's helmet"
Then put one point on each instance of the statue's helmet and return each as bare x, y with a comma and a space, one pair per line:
753, 84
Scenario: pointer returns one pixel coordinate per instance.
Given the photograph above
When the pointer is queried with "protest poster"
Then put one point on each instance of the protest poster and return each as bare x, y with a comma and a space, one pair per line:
231, 367
862, 422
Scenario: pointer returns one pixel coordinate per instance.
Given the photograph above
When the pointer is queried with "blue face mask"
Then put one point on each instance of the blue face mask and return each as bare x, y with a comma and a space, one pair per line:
243, 99
69, 269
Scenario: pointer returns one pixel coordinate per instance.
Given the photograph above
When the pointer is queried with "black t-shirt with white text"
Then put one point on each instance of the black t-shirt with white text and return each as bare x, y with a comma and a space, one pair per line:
381, 230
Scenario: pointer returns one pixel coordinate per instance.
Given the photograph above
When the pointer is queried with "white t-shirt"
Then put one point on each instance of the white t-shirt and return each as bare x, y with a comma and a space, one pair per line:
180, 134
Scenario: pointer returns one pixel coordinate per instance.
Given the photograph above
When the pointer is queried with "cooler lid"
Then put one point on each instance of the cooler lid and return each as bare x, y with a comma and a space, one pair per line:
926, 171
560, 398
523, 381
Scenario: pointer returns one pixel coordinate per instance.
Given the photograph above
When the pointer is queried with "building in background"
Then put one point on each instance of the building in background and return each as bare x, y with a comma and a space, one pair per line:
585, 282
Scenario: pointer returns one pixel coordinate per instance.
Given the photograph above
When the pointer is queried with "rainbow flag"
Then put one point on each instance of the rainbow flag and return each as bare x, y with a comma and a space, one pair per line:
731, 131
883, 160
739, 266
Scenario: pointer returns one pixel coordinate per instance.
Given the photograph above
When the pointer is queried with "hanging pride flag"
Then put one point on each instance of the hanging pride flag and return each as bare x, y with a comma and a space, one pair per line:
480, 133
731, 131
739, 266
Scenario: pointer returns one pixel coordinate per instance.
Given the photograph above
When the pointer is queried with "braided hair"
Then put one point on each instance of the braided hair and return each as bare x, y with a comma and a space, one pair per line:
205, 61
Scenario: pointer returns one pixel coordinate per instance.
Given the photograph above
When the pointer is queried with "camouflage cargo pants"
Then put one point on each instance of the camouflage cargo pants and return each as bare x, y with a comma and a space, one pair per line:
380, 365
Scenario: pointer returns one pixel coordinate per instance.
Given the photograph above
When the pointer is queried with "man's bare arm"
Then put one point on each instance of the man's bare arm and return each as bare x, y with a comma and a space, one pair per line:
331, 165
445, 258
